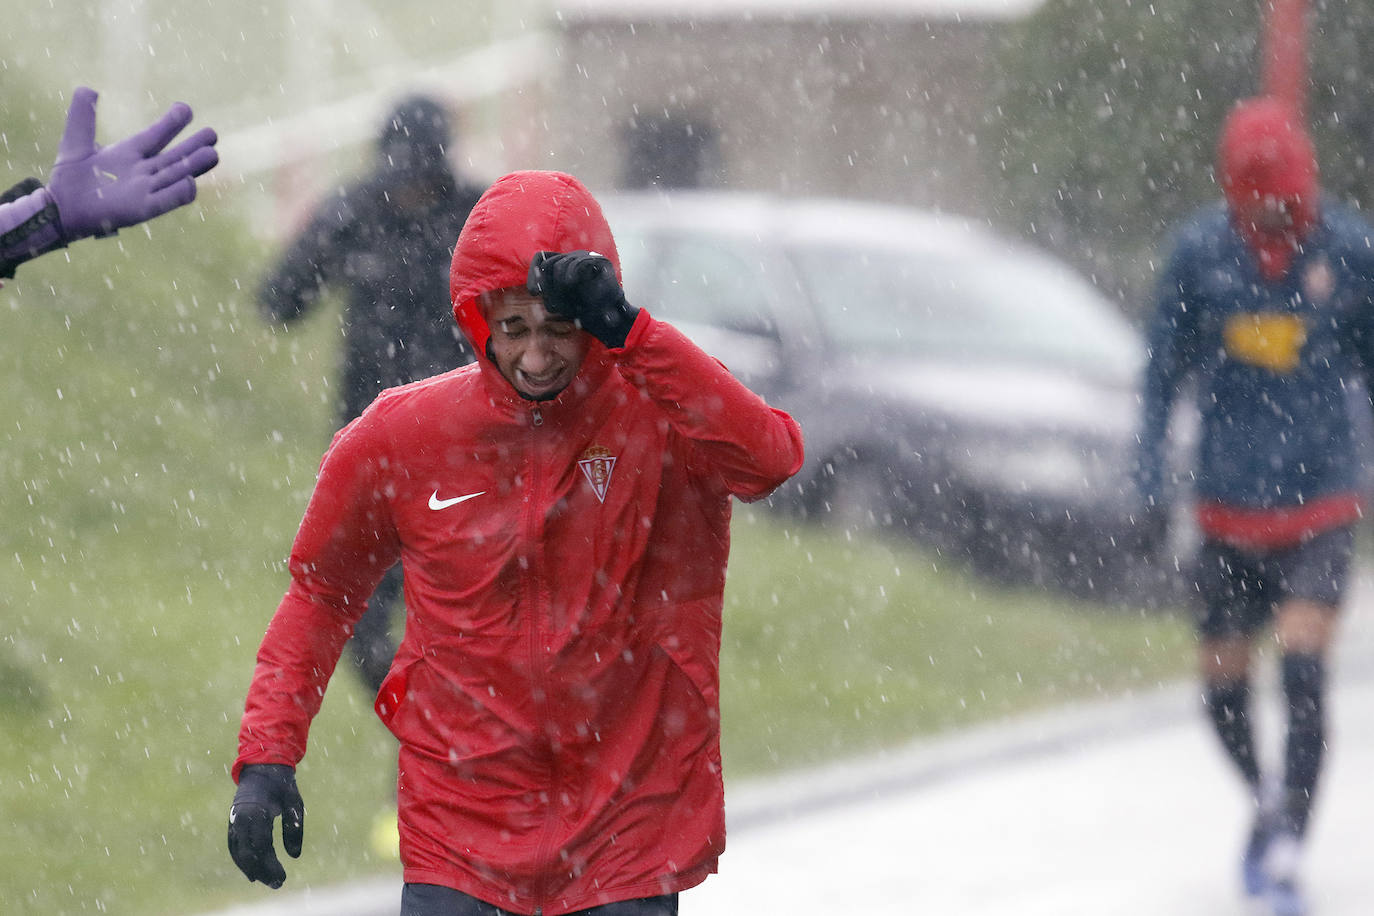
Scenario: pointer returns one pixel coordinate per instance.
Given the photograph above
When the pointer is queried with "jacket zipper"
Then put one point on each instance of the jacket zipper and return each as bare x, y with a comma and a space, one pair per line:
538, 613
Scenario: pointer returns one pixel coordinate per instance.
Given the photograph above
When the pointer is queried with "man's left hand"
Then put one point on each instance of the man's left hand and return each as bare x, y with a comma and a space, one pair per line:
266, 792
581, 285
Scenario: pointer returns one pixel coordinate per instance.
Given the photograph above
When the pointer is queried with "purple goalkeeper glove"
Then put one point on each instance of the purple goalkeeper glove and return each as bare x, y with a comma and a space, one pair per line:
101, 189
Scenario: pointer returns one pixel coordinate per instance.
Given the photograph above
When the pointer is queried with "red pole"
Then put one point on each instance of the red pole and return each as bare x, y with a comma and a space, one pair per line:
1285, 53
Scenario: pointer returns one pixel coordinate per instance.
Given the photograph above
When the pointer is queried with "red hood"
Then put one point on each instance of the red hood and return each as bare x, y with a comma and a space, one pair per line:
521, 214
1264, 152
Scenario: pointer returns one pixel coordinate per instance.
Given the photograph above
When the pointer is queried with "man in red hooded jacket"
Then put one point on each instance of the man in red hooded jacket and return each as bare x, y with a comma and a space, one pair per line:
561, 509
1267, 304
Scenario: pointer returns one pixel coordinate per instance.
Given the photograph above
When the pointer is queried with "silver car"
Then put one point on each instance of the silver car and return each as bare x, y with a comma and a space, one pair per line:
949, 383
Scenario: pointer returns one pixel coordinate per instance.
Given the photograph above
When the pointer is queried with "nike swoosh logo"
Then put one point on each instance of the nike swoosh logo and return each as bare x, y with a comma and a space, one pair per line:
436, 503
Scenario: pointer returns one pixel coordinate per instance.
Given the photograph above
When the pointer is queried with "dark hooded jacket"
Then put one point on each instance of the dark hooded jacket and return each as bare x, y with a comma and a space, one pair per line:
1273, 328
385, 242
557, 692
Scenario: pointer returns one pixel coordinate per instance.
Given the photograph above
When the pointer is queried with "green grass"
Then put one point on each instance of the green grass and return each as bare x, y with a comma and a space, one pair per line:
158, 445
836, 646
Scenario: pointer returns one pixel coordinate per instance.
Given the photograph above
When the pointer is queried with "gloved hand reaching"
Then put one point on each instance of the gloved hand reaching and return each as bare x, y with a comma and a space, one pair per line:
581, 285
266, 791
101, 189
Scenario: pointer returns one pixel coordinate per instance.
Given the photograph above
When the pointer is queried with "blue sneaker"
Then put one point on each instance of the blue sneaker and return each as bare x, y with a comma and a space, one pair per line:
1285, 899
1253, 876
1254, 872
1281, 867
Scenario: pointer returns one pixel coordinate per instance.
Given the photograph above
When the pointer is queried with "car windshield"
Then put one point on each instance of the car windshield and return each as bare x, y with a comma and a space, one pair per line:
1014, 307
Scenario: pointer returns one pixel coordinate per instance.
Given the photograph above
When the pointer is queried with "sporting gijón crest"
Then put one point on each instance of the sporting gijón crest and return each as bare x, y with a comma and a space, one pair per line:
597, 463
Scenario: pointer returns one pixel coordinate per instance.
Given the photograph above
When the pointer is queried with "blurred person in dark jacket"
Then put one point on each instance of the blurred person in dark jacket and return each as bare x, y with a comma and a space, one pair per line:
1267, 303
386, 242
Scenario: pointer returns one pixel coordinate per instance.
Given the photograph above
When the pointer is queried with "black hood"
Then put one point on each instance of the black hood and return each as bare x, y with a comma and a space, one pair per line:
415, 137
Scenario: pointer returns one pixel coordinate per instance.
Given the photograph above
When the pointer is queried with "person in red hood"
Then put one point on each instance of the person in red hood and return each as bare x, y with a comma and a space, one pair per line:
562, 512
1267, 305
1268, 171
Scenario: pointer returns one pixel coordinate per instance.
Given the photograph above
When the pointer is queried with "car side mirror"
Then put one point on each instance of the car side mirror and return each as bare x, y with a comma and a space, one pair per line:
753, 356
752, 325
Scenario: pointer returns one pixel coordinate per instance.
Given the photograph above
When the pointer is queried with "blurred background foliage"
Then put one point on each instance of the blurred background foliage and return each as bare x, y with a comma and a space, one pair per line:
1100, 136
1105, 132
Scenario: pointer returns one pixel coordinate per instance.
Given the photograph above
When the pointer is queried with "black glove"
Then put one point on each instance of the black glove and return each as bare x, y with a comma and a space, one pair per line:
582, 286
266, 790
1151, 530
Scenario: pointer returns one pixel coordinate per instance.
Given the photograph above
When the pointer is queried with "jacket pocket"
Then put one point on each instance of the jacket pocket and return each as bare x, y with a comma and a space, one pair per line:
392, 694
689, 634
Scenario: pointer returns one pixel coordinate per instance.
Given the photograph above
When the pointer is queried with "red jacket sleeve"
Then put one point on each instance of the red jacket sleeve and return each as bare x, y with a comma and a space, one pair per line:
345, 544
751, 446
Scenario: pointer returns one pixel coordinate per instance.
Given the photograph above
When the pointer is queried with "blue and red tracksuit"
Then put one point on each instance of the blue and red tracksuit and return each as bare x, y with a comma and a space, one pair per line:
1273, 357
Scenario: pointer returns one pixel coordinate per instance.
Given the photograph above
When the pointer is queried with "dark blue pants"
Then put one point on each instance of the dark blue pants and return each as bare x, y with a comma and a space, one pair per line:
434, 900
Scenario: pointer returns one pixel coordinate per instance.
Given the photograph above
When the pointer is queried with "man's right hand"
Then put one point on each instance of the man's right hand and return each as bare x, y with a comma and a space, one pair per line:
266, 791
582, 286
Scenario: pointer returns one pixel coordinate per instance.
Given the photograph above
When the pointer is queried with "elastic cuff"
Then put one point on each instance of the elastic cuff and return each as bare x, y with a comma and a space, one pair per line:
634, 328
37, 231
22, 189
620, 332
